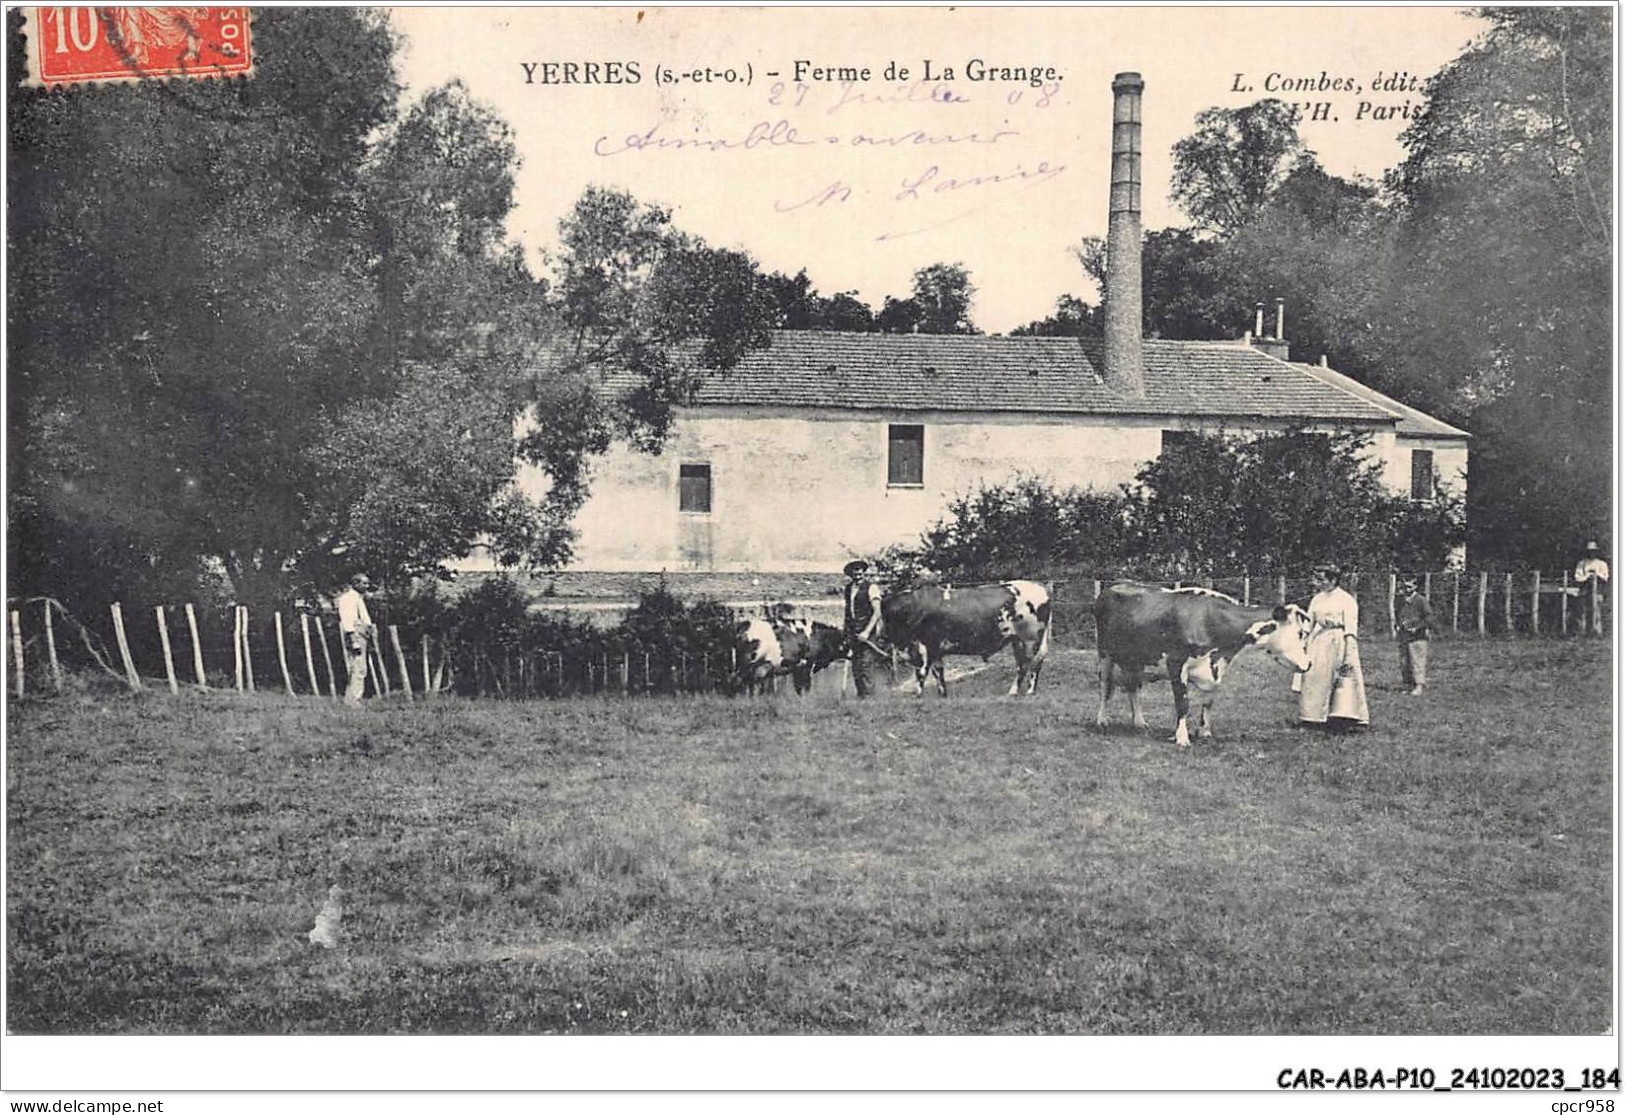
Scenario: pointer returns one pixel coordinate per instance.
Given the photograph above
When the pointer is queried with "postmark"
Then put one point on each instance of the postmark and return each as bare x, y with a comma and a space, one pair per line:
102, 46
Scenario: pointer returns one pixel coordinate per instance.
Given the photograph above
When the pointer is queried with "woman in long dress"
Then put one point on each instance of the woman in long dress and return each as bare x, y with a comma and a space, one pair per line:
1332, 694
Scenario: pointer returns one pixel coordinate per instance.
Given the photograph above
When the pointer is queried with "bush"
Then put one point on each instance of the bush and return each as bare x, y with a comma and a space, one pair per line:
1208, 506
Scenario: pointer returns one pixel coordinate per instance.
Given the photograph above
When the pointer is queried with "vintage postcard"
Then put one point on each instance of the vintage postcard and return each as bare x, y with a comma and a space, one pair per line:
516, 515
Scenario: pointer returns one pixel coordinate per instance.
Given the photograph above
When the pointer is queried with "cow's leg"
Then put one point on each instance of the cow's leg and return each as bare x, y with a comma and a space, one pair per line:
1182, 703
922, 666
1105, 664
937, 662
1018, 686
1132, 684
1035, 663
802, 675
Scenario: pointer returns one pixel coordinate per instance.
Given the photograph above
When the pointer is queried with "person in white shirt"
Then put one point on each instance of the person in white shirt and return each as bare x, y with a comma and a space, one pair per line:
355, 629
1591, 568
1332, 693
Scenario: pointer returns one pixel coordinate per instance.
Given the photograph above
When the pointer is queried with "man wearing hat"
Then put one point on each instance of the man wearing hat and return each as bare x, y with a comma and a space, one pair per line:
1591, 569
355, 629
1412, 623
862, 616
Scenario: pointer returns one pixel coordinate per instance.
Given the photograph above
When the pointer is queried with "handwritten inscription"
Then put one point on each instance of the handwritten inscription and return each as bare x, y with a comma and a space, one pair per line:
779, 134
932, 183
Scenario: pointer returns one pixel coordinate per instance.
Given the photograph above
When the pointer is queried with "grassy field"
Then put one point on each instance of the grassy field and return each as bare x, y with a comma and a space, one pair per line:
705, 865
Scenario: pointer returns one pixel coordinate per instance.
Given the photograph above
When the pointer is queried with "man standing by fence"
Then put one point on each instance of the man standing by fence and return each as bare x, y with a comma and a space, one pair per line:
1589, 577
355, 628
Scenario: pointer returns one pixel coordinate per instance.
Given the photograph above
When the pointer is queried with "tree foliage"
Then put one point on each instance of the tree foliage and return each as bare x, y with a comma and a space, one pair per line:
1209, 505
276, 328
1227, 168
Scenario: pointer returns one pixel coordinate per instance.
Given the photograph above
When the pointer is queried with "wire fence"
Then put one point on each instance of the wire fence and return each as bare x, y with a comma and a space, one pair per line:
298, 650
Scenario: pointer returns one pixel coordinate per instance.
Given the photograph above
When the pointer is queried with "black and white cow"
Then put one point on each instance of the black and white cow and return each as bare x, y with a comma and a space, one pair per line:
933, 621
1192, 634
798, 647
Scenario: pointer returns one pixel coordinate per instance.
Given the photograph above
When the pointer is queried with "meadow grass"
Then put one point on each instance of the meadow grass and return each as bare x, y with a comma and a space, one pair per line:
785, 865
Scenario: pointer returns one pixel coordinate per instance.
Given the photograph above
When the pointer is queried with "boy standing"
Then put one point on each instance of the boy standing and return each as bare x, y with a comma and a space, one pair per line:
1412, 624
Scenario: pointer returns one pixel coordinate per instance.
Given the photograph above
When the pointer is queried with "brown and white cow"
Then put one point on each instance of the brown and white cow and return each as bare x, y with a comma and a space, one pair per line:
1192, 634
798, 647
933, 621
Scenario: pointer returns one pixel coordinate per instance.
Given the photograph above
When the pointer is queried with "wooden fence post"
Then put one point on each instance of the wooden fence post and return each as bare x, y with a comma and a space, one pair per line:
50, 649
310, 659
123, 648
237, 643
1280, 589
282, 656
1594, 605
1393, 617
169, 660
1563, 607
248, 652
17, 652
1506, 600
1483, 596
1534, 603
428, 684
1455, 601
1246, 588
197, 649
400, 660
375, 662
327, 659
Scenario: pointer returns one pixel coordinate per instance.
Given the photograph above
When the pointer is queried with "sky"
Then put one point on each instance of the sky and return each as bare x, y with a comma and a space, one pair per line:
864, 180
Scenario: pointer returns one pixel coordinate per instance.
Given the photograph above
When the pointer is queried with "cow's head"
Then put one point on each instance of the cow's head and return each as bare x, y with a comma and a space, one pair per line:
1284, 636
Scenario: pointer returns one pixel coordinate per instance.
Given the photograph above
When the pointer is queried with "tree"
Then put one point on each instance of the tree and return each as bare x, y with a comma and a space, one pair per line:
181, 317
1073, 317
1229, 166
800, 306
1503, 299
940, 303
644, 312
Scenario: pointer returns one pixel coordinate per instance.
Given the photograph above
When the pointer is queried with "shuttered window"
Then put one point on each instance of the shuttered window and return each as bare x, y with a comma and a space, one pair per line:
694, 488
905, 459
1421, 474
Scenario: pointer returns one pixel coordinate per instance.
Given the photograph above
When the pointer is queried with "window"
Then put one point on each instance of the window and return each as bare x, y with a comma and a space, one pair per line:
1421, 474
694, 488
905, 459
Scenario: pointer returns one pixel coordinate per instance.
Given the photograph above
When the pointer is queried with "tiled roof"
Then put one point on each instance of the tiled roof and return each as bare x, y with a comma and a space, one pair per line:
1055, 375
1412, 422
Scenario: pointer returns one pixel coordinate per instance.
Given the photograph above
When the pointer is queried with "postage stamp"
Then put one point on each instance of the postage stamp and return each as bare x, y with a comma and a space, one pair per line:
100, 46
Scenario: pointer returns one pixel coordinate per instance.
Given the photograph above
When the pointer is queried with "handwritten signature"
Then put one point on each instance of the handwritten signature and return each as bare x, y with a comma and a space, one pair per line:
781, 134
932, 182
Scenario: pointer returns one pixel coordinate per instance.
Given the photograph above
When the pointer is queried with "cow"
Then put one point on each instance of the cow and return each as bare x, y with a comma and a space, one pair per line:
798, 647
1192, 634
933, 621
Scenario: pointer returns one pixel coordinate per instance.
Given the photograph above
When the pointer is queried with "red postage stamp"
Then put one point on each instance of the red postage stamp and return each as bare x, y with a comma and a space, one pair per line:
104, 45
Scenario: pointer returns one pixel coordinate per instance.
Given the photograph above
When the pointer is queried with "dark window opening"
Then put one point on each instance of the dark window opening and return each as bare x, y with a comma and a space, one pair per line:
1421, 474
905, 460
694, 488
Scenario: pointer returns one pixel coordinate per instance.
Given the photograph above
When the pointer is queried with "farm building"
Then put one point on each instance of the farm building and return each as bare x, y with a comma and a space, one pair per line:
827, 445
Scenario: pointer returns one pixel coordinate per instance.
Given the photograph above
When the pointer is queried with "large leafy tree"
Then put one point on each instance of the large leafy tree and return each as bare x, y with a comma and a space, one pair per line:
1504, 249
190, 293
275, 329
1227, 168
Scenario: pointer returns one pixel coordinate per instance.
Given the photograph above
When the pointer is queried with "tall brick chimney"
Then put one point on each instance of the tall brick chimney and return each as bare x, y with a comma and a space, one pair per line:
1125, 367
